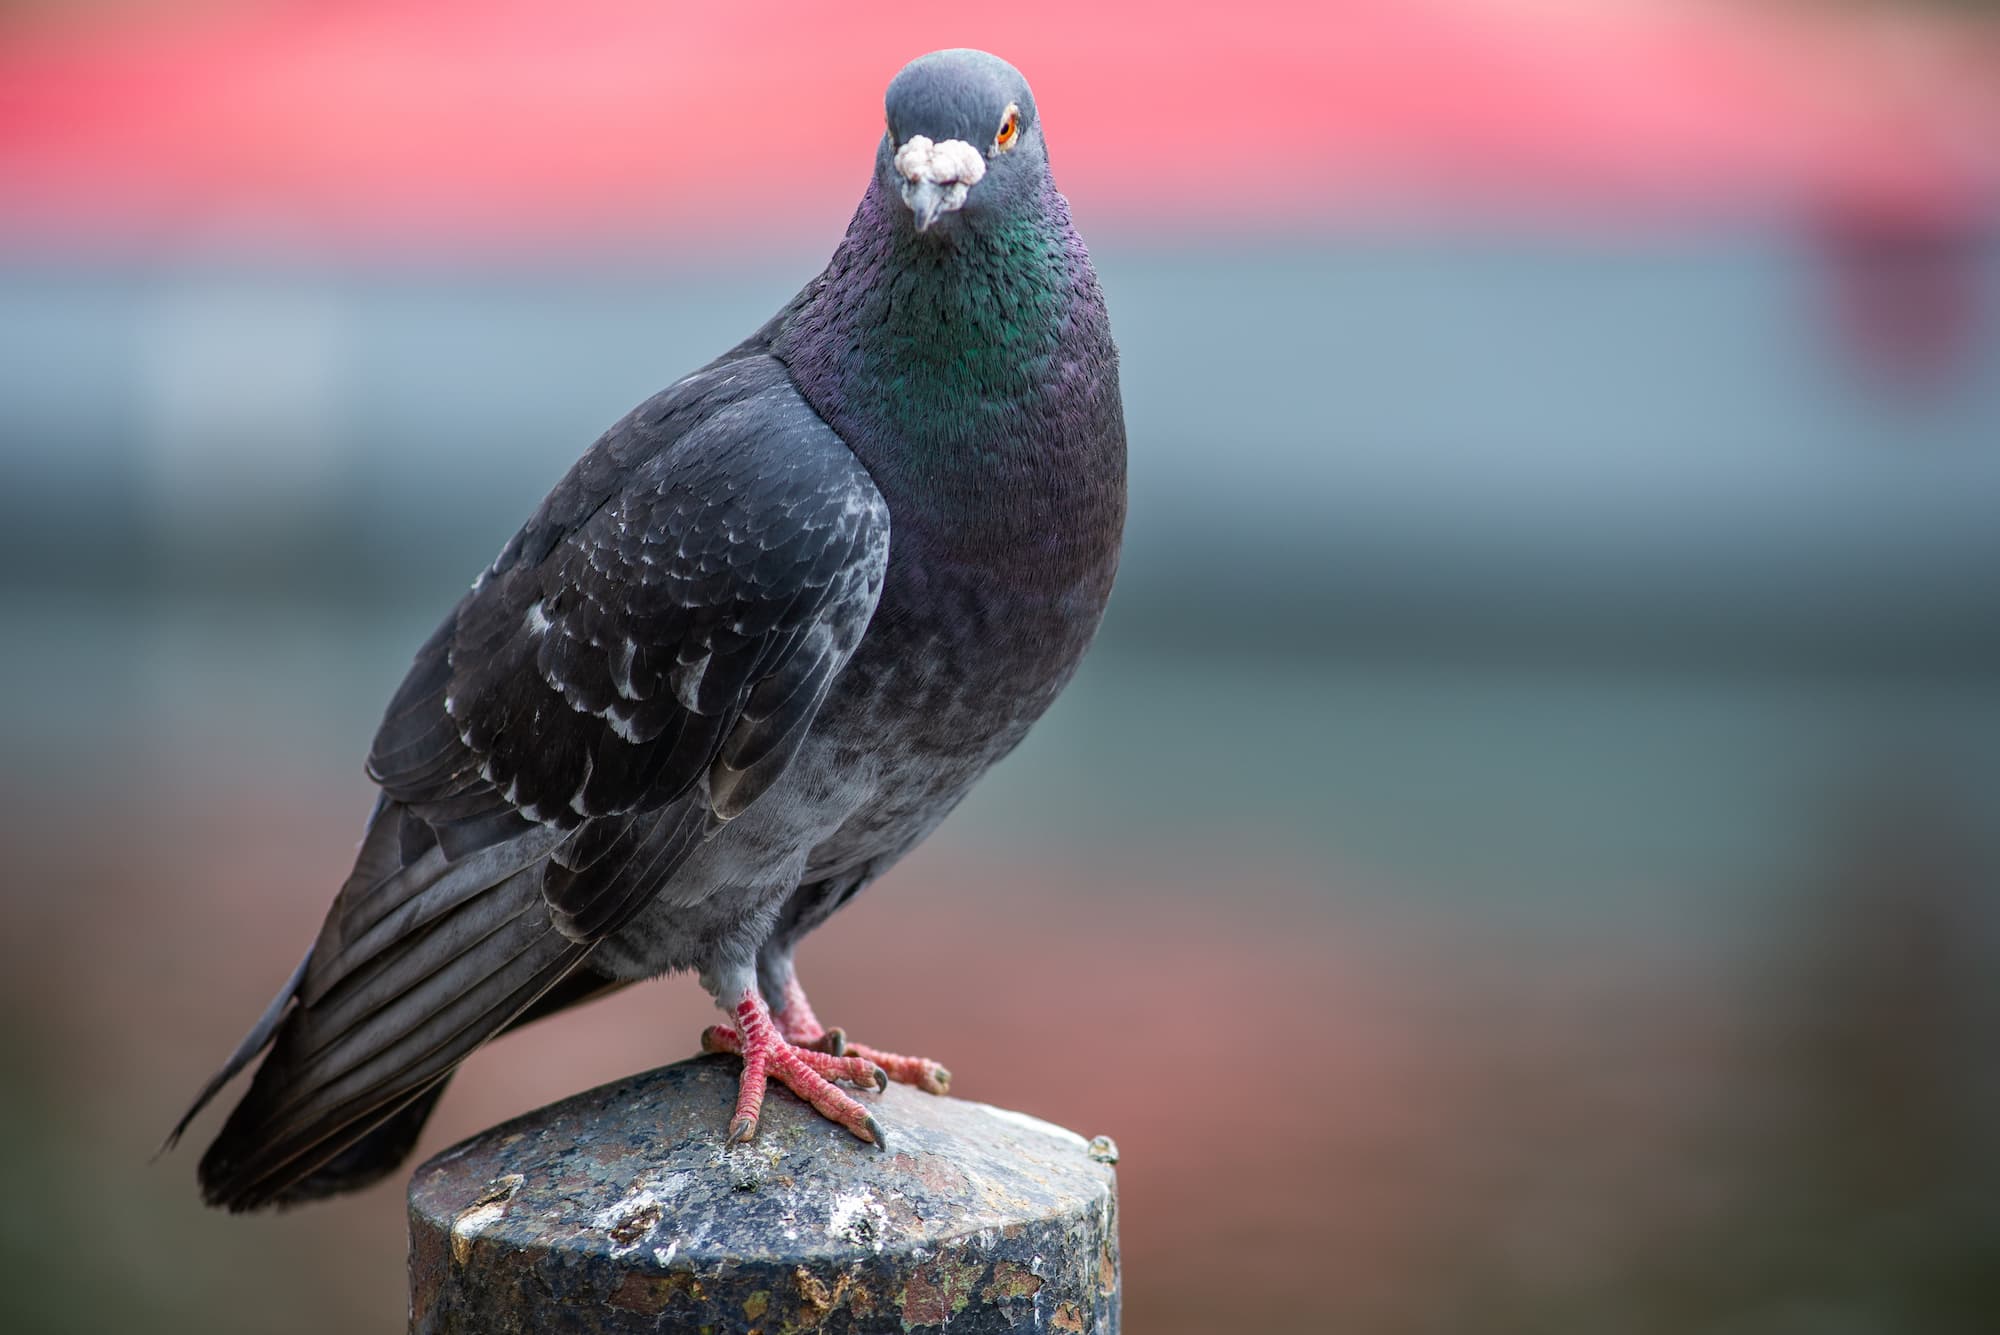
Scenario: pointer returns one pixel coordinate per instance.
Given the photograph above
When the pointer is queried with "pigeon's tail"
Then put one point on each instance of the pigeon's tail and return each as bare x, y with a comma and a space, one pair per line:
425, 955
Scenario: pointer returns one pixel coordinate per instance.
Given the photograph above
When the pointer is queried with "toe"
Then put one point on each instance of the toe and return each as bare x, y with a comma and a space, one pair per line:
854, 1070
922, 1072
799, 1077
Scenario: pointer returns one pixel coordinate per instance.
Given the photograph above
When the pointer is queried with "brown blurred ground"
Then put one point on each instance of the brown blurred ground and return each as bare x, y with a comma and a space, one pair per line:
1333, 1117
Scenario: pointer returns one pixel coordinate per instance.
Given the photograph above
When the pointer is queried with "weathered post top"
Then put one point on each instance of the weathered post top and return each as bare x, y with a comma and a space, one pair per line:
618, 1210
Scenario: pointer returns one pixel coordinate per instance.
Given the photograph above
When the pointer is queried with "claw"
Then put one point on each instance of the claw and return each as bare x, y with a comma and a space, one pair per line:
742, 1130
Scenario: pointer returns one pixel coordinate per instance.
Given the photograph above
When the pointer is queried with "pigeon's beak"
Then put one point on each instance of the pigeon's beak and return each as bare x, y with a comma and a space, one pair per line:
936, 176
927, 199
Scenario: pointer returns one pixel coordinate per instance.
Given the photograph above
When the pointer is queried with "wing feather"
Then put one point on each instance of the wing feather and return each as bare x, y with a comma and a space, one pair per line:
637, 666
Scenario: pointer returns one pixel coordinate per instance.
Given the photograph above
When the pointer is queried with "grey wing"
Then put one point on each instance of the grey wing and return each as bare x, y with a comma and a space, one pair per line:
637, 667
658, 667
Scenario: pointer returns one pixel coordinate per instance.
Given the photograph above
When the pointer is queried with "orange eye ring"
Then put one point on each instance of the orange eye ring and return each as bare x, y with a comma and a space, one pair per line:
1010, 130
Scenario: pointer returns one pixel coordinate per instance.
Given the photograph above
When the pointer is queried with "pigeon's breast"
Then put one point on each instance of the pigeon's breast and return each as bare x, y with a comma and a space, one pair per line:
957, 665
953, 671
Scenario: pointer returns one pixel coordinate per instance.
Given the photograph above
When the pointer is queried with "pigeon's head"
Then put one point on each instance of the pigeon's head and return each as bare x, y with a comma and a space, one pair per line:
963, 137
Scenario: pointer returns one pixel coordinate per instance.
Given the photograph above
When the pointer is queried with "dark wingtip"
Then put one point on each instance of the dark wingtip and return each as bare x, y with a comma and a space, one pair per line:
254, 1042
238, 1175
173, 1137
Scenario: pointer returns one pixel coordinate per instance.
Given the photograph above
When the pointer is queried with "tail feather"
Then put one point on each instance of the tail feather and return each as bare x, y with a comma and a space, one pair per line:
371, 1158
304, 1110
391, 1136
439, 940
386, 969
432, 994
253, 1164
421, 960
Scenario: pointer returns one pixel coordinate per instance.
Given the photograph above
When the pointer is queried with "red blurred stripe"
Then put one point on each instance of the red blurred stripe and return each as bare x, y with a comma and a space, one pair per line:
625, 119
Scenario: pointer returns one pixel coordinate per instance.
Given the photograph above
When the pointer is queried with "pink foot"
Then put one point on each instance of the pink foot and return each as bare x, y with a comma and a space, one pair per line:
806, 1072
796, 1021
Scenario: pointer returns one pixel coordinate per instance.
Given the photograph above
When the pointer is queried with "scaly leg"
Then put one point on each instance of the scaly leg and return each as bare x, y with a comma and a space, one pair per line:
807, 1072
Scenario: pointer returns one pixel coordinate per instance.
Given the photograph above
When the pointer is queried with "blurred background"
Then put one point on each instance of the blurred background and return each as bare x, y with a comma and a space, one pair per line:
1550, 713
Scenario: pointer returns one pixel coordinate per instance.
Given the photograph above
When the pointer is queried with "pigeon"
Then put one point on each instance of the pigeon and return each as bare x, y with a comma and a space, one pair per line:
750, 651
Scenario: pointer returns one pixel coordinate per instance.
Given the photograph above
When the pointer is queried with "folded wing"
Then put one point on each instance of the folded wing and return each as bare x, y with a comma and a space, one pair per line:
636, 668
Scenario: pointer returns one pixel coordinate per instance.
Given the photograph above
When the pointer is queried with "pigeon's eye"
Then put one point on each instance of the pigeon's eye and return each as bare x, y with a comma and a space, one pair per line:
1010, 130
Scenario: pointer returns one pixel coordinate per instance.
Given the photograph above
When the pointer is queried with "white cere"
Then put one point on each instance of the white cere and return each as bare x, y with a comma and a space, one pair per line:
953, 162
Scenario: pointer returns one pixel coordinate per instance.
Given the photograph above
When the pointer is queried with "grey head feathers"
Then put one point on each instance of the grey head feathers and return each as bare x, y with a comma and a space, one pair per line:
957, 94
970, 119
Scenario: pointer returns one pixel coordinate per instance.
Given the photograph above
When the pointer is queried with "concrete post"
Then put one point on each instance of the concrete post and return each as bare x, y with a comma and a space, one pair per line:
619, 1211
